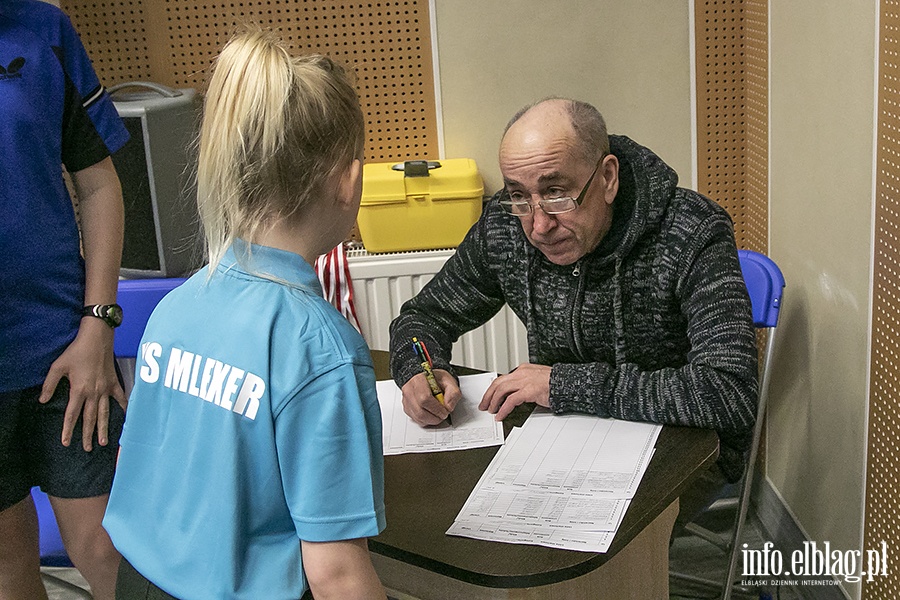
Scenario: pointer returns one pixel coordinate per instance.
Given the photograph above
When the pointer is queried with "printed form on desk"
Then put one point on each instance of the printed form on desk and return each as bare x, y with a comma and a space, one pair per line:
471, 428
563, 481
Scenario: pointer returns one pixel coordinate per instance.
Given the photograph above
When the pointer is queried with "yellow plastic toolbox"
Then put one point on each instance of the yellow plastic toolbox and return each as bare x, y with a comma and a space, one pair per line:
418, 205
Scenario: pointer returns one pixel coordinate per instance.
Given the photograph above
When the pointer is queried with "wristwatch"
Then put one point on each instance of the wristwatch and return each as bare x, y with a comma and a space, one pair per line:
110, 313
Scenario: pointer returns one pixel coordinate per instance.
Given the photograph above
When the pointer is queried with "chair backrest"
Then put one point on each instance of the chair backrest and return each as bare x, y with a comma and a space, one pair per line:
138, 298
765, 284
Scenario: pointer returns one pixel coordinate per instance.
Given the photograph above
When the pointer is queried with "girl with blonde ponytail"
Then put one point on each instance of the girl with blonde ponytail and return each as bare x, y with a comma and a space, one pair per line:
251, 462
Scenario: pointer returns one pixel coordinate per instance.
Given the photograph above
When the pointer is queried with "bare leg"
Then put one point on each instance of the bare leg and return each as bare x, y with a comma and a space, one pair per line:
87, 543
20, 560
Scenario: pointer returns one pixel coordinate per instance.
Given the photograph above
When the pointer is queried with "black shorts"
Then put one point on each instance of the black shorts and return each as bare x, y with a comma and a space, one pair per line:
31, 453
131, 585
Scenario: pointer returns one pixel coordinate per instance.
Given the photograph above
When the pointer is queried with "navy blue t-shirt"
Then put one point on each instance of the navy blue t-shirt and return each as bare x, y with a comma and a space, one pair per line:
53, 112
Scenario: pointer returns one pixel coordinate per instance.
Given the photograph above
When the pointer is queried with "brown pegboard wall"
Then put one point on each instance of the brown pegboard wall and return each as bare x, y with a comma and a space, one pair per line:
754, 227
732, 118
116, 37
387, 43
732, 113
882, 516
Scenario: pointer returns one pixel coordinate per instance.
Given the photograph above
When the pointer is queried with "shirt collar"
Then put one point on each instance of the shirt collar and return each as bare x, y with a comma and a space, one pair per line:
270, 263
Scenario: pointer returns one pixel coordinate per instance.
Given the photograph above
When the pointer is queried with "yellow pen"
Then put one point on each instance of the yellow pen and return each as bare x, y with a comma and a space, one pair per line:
422, 353
432, 383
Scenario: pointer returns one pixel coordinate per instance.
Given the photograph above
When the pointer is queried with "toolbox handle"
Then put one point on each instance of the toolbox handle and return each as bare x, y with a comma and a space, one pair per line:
416, 168
163, 90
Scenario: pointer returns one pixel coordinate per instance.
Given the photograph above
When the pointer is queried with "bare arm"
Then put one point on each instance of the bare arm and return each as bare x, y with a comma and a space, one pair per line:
88, 360
341, 570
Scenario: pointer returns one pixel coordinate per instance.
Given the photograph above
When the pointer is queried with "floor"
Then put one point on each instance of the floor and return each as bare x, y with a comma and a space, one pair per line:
60, 591
687, 554
694, 556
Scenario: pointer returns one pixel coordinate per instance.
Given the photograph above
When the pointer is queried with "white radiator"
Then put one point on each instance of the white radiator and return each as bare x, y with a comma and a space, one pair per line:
383, 282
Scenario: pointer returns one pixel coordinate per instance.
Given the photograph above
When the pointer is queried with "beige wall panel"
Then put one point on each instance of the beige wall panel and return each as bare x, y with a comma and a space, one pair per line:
822, 95
630, 59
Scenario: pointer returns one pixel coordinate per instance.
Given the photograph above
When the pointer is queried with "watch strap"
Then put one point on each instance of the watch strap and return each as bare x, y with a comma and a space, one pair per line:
111, 314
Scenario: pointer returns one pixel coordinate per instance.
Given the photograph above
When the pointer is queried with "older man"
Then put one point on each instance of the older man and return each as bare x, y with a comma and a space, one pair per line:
629, 287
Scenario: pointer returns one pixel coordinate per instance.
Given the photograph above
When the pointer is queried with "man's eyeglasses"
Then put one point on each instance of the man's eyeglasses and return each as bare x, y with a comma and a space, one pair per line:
550, 206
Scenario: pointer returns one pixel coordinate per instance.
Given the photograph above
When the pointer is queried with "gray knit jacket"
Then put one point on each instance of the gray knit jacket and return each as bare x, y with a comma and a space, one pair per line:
653, 325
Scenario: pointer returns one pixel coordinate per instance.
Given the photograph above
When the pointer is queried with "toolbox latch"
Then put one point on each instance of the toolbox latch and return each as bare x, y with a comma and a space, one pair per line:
416, 168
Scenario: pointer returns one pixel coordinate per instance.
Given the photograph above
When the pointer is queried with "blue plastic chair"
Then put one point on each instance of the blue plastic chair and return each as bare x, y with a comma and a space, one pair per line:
765, 285
138, 298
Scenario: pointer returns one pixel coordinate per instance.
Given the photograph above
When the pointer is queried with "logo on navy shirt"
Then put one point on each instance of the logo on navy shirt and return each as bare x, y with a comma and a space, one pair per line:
11, 71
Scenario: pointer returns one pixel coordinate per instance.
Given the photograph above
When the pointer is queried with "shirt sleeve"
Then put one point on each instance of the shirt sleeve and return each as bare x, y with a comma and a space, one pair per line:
328, 438
464, 295
91, 128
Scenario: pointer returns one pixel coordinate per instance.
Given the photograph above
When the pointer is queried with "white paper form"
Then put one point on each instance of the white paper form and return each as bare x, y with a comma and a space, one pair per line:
580, 453
471, 427
514, 533
544, 509
494, 501
563, 481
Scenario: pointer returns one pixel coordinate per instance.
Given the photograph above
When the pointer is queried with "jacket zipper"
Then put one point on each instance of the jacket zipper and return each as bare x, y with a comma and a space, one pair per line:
573, 310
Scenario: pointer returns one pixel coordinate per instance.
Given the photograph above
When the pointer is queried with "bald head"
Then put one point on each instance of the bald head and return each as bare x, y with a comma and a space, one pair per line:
580, 122
543, 129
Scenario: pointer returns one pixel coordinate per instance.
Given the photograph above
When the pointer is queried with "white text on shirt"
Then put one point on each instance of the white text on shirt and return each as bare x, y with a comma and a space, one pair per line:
215, 382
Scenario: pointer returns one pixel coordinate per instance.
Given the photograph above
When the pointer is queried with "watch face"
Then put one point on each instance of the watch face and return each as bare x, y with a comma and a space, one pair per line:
114, 314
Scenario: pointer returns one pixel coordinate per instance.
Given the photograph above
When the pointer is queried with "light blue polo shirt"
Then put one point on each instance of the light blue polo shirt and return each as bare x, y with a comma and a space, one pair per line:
253, 424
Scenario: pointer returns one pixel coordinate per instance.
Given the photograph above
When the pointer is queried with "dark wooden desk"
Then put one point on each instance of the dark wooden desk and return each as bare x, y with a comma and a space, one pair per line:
425, 492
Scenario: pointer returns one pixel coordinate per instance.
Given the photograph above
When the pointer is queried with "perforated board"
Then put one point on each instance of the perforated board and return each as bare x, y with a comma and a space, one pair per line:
882, 519
731, 40
732, 113
115, 35
386, 42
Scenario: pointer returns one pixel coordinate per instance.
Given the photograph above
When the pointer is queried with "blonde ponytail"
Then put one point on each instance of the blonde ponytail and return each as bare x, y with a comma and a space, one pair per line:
275, 129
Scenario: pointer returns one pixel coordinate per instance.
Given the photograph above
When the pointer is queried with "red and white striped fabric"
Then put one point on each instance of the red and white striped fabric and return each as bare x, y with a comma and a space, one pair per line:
334, 275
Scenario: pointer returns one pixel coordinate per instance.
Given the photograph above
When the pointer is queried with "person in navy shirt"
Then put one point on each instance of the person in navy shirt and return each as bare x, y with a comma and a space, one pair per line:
61, 404
251, 463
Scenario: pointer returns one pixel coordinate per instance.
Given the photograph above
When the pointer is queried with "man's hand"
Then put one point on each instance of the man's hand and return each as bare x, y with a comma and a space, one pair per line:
528, 383
421, 406
88, 364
